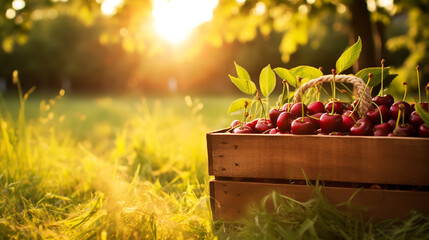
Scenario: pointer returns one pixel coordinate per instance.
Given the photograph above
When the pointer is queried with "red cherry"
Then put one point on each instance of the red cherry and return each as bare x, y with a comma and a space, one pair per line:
392, 123
363, 127
284, 121
423, 131
415, 119
244, 129
297, 109
235, 123
302, 126
374, 114
263, 125
252, 124
316, 119
405, 130
316, 107
287, 107
274, 131
348, 122
274, 114
386, 100
382, 129
394, 109
331, 123
338, 107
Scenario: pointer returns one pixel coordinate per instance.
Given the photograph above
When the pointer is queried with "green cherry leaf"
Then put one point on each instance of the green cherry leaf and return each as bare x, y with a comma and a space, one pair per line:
307, 72
246, 86
241, 72
422, 113
376, 75
267, 81
237, 106
349, 57
287, 75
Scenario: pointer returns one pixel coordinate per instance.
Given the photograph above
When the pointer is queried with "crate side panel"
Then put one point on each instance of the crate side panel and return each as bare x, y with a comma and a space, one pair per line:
235, 199
344, 159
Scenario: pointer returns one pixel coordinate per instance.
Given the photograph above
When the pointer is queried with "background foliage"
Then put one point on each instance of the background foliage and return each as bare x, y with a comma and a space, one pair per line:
72, 44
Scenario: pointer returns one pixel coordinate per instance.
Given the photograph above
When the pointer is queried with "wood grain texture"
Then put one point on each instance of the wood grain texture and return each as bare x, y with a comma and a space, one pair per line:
231, 200
382, 160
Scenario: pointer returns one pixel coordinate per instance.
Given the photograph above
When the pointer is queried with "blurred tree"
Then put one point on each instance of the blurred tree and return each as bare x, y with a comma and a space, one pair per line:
298, 23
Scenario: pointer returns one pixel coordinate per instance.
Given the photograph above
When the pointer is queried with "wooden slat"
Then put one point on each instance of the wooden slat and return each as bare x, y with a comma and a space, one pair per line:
232, 200
382, 160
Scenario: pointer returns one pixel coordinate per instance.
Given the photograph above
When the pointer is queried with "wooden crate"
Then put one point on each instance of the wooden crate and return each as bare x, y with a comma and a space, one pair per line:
249, 166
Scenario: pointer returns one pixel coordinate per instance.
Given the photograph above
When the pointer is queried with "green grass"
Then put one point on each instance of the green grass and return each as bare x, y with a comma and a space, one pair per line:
84, 167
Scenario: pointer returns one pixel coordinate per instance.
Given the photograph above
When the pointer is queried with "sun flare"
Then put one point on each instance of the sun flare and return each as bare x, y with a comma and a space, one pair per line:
175, 19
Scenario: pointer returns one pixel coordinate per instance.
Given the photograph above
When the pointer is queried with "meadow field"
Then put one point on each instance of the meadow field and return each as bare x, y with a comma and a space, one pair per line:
135, 167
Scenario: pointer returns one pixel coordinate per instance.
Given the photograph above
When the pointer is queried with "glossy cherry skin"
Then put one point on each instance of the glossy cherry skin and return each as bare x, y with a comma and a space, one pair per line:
263, 125
316, 119
386, 100
405, 130
331, 123
363, 127
252, 124
348, 112
392, 123
348, 122
394, 109
284, 121
316, 107
423, 131
382, 129
287, 107
235, 123
302, 126
274, 114
297, 109
374, 114
415, 119
338, 107
244, 129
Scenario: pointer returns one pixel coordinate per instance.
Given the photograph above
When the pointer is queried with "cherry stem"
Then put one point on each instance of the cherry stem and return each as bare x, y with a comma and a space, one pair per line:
397, 121
405, 91
379, 111
418, 83
382, 72
333, 91
282, 96
302, 99
427, 92
287, 92
363, 93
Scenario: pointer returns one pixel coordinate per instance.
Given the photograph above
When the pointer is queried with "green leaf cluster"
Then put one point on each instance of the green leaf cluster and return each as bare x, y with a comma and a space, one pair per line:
267, 80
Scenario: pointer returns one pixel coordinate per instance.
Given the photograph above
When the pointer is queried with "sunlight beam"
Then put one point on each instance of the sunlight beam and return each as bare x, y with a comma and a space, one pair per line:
175, 19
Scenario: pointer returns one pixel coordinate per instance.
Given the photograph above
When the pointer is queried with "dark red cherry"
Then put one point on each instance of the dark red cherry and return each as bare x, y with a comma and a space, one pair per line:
423, 131
302, 126
415, 119
263, 125
386, 100
235, 123
244, 129
316, 107
363, 127
274, 114
297, 109
316, 119
331, 123
374, 114
287, 107
284, 121
338, 107
348, 122
394, 109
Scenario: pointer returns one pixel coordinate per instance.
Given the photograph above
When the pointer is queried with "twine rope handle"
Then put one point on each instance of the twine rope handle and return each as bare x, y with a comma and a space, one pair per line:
358, 83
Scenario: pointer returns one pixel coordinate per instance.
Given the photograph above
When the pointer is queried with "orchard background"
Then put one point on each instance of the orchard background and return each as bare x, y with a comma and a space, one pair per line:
102, 129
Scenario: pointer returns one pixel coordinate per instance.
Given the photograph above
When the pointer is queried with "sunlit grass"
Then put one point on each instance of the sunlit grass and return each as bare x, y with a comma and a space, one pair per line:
82, 167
